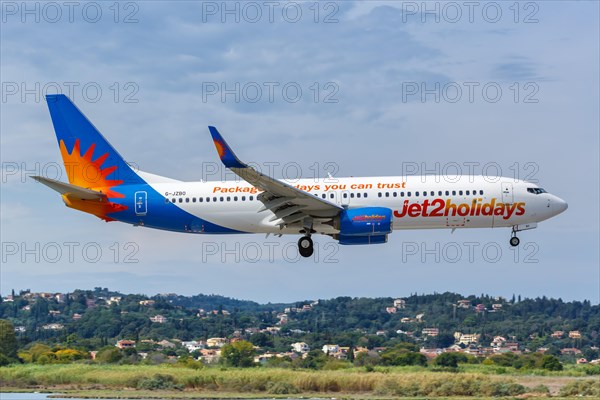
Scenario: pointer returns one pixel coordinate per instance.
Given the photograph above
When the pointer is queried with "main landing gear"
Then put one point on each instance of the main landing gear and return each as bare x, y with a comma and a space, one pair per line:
305, 246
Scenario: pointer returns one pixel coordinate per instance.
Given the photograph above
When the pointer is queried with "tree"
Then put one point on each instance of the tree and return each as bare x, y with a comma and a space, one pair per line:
8, 340
109, 355
551, 363
449, 360
238, 354
403, 354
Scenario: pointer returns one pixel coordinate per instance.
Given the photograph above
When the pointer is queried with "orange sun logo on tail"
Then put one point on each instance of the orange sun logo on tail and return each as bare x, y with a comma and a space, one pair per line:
87, 173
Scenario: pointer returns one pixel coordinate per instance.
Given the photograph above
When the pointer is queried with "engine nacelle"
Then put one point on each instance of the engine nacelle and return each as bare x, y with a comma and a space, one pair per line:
366, 239
365, 221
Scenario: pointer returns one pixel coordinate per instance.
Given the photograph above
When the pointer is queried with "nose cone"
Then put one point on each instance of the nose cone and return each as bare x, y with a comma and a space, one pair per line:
560, 205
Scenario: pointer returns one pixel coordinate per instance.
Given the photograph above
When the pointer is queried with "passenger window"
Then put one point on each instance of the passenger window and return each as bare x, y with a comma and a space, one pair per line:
440, 193
251, 198
357, 194
345, 195
432, 193
214, 199
193, 199
417, 194
395, 194
401, 194
181, 200
331, 196
454, 193
228, 198
408, 194
243, 198
235, 198
351, 195
365, 196
481, 192
387, 194
323, 195
447, 193
174, 200
467, 192
221, 198
460, 192
379, 194
200, 199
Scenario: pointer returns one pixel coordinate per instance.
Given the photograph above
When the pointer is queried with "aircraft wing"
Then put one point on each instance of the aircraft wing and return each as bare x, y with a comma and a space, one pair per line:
289, 204
70, 190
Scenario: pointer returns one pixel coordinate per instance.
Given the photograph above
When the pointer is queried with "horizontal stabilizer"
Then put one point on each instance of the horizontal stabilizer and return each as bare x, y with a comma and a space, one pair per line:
70, 190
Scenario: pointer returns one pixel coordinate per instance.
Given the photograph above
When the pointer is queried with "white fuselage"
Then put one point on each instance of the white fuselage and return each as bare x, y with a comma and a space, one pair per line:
418, 202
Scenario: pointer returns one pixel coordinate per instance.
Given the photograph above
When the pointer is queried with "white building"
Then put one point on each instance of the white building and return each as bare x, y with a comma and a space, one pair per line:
331, 348
193, 345
300, 347
159, 319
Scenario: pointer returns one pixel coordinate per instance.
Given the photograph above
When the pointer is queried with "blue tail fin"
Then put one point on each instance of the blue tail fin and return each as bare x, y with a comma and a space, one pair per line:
90, 160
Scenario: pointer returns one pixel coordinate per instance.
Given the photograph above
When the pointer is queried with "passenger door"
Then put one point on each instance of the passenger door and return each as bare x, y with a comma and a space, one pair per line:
507, 193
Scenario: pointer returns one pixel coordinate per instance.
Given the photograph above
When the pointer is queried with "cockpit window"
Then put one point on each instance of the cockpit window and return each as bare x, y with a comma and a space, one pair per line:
536, 190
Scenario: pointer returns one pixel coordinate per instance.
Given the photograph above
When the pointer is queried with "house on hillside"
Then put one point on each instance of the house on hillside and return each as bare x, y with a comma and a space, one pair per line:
300, 347
159, 319
216, 342
125, 344
574, 335
433, 332
400, 303
331, 348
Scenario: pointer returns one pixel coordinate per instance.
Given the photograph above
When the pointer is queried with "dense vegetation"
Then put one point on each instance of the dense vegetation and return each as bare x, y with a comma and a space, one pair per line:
279, 381
350, 322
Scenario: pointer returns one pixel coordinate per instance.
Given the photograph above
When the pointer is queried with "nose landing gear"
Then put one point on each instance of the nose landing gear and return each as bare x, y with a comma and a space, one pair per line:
305, 246
514, 240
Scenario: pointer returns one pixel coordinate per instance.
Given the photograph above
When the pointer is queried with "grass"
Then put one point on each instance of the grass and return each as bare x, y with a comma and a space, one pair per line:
127, 380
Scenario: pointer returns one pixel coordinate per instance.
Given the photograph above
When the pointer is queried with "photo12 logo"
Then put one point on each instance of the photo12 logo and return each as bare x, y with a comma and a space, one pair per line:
265, 252
454, 12
53, 12
468, 252
270, 92
253, 12
90, 92
70, 252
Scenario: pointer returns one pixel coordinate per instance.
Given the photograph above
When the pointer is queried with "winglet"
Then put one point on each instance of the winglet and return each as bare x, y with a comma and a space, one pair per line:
225, 153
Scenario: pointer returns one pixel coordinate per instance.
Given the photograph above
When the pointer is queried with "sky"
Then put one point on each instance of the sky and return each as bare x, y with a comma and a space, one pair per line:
349, 88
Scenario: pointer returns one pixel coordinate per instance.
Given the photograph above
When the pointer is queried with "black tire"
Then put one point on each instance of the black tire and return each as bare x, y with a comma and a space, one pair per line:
514, 241
305, 246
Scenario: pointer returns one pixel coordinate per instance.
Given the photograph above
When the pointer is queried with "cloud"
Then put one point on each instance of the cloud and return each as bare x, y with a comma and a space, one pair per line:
369, 58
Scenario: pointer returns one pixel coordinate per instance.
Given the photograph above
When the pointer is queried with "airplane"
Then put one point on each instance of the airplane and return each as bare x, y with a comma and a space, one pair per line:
353, 211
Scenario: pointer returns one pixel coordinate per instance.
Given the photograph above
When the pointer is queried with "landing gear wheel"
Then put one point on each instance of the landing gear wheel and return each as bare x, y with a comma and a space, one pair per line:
305, 246
514, 241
